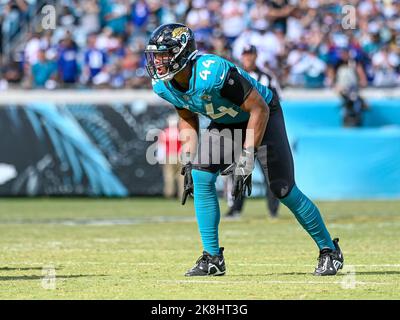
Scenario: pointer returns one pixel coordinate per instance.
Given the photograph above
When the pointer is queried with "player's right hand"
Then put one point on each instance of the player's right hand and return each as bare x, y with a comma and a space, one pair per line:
187, 182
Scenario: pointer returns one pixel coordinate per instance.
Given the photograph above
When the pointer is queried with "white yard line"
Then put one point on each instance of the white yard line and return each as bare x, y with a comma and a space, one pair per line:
102, 222
310, 265
270, 282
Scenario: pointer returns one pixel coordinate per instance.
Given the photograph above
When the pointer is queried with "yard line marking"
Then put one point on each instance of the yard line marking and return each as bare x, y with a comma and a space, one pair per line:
377, 265
102, 222
231, 282
147, 220
269, 282
311, 265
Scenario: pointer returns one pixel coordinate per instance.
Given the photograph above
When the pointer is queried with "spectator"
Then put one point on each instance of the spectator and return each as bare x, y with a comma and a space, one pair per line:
43, 72
198, 19
46, 41
385, 64
105, 40
12, 14
68, 69
306, 68
258, 12
233, 14
67, 19
271, 47
220, 46
95, 59
276, 27
140, 15
90, 16
116, 48
12, 73
342, 52
32, 49
298, 23
116, 75
279, 11
116, 15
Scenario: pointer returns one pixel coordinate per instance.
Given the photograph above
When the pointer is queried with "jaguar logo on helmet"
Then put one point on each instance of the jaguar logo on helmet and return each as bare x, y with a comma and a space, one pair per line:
179, 31
170, 48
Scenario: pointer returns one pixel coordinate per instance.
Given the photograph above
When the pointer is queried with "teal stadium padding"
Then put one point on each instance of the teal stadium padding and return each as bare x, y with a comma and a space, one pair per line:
327, 113
333, 162
349, 163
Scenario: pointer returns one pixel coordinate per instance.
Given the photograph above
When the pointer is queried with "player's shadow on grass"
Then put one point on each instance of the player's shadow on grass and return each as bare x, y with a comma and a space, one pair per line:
22, 269
36, 277
269, 274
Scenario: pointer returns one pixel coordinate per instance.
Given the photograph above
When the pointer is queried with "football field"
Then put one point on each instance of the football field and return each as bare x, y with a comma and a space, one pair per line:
139, 248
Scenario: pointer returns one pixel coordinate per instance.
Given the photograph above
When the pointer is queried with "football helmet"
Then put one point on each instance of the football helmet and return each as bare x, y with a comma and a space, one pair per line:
169, 50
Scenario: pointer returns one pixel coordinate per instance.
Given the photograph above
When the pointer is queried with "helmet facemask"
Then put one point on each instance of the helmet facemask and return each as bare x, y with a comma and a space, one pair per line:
161, 63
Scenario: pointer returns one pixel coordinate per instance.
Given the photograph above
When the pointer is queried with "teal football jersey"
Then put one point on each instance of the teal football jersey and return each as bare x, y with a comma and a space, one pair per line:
203, 96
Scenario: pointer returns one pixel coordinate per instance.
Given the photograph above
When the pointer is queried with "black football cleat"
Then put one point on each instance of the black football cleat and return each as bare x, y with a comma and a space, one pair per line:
208, 265
329, 261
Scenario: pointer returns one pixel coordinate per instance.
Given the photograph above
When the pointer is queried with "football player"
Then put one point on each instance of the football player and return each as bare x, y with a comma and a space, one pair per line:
212, 86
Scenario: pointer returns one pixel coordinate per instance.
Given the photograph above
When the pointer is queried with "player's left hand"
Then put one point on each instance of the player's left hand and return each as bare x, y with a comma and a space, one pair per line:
242, 174
187, 182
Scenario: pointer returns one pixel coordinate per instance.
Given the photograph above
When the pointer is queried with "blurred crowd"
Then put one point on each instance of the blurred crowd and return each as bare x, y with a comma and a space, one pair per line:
306, 43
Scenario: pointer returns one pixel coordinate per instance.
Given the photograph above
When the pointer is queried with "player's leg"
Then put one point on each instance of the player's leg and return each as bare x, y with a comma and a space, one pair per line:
207, 208
208, 163
272, 200
281, 175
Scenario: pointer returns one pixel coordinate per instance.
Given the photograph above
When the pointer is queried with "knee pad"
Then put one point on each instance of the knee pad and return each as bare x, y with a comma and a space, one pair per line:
281, 188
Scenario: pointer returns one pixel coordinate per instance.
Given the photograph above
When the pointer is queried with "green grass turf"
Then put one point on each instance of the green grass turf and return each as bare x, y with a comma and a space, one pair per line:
97, 255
